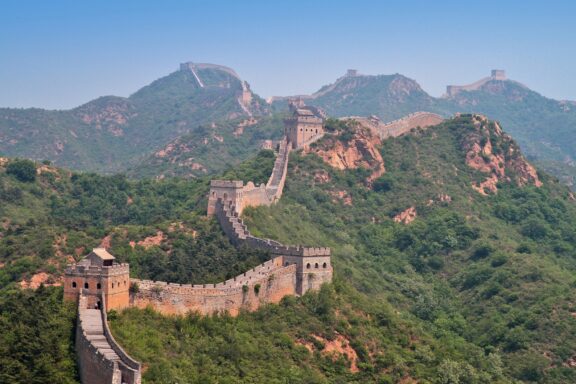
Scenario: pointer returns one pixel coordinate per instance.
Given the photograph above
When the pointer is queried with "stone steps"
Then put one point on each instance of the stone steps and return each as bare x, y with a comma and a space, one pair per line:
94, 329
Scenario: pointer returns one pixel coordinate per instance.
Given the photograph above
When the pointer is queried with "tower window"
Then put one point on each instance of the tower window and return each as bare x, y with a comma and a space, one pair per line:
112, 285
73, 284
308, 265
316, 265
324, 265
86, 285
98, 286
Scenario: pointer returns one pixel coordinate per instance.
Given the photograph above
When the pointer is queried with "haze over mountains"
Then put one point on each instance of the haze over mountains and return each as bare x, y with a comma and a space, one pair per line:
174, 125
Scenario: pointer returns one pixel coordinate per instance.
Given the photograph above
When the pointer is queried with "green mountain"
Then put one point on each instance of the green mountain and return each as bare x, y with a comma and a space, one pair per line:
544, 128
110, 133
455, 265
388, 96
210, 149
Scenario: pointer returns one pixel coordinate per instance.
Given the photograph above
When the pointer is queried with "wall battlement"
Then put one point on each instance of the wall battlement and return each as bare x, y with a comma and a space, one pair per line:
397, 127
244, 195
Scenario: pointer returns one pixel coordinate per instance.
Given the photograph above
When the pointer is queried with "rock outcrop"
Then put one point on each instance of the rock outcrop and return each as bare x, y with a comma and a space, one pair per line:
494, 153
359, 151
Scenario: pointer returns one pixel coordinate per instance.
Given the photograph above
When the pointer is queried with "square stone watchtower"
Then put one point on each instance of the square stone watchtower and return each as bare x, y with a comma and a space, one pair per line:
498, 74
98, 274
304, 126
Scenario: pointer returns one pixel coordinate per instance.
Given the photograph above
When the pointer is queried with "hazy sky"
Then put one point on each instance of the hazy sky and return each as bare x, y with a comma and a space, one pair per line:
60, 54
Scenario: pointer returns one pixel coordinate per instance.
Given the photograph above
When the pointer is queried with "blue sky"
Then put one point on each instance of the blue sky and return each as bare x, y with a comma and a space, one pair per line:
60, 54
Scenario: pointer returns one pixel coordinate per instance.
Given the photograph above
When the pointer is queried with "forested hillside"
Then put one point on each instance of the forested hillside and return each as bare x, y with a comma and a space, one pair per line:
453, 266
476, 289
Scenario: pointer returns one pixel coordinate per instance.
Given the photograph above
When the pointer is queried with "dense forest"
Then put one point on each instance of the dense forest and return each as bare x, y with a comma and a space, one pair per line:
477, 289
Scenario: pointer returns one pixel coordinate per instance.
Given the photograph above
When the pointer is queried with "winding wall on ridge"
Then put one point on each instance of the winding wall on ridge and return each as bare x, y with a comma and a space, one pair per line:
293, 270
400, 126
243, 196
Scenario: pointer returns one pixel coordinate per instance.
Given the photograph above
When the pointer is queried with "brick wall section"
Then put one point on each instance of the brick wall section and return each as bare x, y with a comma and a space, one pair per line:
242, 195
274, 281
398, 127
313, 265
101, 360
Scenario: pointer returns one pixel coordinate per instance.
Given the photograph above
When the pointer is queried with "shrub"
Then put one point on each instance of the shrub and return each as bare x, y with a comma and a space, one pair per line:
383, 184
134, 288
257, 289
23, 170
482, 251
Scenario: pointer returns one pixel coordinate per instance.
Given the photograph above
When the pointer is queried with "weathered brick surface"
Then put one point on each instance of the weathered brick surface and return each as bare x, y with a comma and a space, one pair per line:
267, 283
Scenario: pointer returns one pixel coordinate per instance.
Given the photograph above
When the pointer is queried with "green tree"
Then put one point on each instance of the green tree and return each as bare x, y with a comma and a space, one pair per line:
24, 170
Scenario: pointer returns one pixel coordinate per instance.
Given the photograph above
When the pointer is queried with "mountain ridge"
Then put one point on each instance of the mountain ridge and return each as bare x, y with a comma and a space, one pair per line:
105, 133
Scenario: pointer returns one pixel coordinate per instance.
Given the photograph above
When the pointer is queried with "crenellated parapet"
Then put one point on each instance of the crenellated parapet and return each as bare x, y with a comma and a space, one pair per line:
266, 283
240, 195
400, 126
98, 275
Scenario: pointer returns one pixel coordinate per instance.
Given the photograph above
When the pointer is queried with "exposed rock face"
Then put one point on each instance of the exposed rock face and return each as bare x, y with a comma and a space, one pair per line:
334, 348
150, 240
342, 196
490, 151
322, 177
360, 151
407, 216
40, 278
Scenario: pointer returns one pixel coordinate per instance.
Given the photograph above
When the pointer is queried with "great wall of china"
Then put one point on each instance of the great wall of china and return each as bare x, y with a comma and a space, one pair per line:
99, 284
397, 127
244, 100
496, 74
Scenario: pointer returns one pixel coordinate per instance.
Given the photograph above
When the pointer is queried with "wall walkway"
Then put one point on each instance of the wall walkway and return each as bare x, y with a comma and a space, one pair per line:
101, 360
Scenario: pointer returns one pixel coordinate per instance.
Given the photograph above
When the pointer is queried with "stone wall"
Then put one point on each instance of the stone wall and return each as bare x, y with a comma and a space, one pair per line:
496, 74
100, 359
266, 283
400, 126
241, 196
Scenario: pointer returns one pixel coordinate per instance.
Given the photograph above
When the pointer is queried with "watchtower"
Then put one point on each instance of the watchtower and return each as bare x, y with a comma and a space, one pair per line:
96, 275
226, 190
304, 126
313, 266
498, 74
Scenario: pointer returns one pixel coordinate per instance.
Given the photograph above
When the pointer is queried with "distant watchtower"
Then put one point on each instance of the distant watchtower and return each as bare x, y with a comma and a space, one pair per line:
95, 275
305, 125
498, 74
